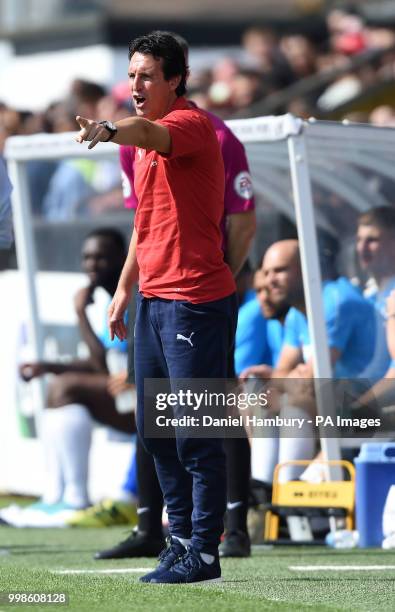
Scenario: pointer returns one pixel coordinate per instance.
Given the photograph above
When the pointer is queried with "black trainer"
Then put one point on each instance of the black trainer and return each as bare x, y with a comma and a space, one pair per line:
137, 544
235, 544
167, 558
189, 569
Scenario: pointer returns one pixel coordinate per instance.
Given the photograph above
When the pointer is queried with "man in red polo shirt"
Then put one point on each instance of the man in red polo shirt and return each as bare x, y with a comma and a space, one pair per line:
187, 310
238, 227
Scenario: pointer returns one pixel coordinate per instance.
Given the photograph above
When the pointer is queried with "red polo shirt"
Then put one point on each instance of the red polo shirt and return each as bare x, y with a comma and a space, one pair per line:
181, 204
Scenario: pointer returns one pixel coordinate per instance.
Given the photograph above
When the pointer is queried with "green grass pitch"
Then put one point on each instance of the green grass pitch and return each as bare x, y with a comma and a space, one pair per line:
29, 559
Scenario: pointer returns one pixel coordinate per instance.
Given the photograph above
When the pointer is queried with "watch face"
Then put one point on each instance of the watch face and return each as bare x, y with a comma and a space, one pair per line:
109, 126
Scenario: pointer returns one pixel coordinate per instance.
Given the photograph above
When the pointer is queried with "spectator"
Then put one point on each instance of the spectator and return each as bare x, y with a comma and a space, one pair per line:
383, 116
274, 313
347, 32
70, 186
350, 328
300, 54
245, 88
261, 46
10, 124
80, 187
85, 97
251, 335
376, 256
349, 317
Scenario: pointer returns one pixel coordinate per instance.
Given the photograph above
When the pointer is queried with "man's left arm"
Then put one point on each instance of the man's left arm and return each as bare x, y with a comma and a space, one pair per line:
240, 231
239, 201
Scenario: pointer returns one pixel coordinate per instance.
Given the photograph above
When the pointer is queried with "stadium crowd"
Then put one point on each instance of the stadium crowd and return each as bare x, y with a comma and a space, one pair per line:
265, 63
272, 339
353, 58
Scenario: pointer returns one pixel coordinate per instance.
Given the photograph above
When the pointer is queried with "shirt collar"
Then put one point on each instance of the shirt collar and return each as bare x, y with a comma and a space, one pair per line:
180, 103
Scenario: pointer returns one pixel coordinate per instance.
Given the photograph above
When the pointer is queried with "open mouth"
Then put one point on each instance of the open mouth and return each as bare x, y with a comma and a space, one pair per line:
138, 101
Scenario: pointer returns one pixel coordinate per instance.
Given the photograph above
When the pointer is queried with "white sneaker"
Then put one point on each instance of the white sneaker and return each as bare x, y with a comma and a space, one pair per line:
32, 516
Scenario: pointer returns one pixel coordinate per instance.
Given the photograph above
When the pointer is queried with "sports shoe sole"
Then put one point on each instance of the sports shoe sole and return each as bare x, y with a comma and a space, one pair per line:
210, 580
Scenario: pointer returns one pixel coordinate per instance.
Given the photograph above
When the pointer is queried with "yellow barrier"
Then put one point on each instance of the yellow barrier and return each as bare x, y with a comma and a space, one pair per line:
300, 494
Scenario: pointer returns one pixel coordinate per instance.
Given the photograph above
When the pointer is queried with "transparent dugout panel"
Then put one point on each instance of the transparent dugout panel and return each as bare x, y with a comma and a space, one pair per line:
68, 197
353, 185
270, 172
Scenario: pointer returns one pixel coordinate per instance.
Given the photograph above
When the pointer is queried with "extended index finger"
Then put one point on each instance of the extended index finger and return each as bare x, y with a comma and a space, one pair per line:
95, 140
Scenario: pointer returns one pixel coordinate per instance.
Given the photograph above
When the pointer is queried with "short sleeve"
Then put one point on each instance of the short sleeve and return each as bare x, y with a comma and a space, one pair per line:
339, 319
251, 337
126, 158
292, 329
190, 131
238, 183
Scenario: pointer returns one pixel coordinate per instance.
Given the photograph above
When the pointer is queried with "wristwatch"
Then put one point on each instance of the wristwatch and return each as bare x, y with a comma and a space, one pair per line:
110, 127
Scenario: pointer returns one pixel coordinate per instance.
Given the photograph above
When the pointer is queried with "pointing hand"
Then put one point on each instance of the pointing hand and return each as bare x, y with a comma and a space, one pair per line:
91, 131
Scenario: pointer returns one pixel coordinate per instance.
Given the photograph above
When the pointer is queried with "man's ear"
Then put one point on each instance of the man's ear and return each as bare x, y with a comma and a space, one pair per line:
174, 82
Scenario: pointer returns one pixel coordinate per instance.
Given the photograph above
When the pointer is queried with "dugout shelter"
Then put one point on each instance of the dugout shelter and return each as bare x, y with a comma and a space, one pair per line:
313, 174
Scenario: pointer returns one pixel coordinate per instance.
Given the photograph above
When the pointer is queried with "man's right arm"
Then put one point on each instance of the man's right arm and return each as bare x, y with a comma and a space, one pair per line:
135, 131
129, 276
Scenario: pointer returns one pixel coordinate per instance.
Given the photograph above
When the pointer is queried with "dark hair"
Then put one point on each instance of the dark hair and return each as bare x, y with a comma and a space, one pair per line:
165, 46
181, 41
111, 234
381, 216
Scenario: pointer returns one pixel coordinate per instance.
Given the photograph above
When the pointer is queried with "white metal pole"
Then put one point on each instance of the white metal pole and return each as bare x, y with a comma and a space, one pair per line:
304, 212
23, 229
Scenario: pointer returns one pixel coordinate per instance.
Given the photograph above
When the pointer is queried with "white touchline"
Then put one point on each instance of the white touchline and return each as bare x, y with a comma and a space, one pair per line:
126, 570
340, 568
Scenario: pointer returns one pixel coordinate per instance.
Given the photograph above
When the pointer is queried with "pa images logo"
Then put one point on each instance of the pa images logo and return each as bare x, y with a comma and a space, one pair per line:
243, 185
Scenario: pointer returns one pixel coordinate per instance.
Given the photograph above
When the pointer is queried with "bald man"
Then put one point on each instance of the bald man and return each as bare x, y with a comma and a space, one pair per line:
349, 317
350, 329
274, 314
